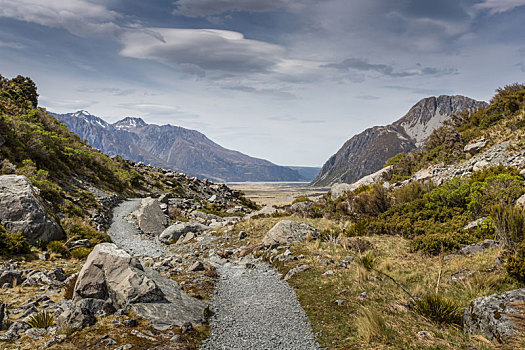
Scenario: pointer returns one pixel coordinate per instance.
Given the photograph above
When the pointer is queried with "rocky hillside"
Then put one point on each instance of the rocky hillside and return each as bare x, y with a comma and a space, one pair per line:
367, 152
174, 147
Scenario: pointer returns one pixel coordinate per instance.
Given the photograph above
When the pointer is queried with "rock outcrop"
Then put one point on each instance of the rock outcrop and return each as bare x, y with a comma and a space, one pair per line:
112, 276
384, 174
367, 152
174, 232
287, 232
22, 211
496, 317
150, 218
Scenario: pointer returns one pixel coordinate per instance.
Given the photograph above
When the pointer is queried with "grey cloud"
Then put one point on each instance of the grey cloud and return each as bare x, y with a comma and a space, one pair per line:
415, 90
388, 70
318, 121
205, 8
80, 17
277, 94
368, 97
110, 91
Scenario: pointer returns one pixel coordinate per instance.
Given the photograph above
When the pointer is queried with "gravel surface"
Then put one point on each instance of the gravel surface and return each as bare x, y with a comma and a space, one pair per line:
255, 309
126, 235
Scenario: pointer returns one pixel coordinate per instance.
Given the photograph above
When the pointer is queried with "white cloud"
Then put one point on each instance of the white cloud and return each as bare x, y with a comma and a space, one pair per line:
206, 49
499, 6
11, 45
80, 17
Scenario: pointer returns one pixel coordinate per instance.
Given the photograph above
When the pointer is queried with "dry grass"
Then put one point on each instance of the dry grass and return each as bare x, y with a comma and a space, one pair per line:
381, 320
277, 194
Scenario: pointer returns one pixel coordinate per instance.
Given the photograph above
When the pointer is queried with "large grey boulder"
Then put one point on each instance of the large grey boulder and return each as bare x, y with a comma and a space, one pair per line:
340, 189
150, 218
22, 211
496, 317
173, 232
287, 231
110, 272
475, 147
112, 275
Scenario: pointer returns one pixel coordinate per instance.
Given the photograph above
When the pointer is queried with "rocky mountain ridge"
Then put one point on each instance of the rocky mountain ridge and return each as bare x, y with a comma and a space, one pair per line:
174, 147
368, 151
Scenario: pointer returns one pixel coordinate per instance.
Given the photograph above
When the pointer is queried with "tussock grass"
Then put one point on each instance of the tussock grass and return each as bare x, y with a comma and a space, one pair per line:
42, 319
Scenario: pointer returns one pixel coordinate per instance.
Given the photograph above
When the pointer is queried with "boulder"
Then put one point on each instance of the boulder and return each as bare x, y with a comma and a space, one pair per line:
150, 218
521, 201
476, 248
112, 274
496, 317
14, 331
340, 189
11, 277
287, 231
475, 147
173, 232
22, 211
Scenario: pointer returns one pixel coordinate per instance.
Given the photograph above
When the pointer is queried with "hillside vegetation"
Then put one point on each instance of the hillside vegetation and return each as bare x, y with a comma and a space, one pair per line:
388, 271
69, 173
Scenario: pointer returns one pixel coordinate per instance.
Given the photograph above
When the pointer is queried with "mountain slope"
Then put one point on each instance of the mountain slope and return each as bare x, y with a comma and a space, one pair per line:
173, 147
368, 151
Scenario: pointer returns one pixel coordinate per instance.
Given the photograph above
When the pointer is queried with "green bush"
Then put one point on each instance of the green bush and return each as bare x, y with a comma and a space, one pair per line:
509, 223
80, 229
12, 243
42, 319
434, 244
80, 253
515, 264
301, 199
58, 248
439, 309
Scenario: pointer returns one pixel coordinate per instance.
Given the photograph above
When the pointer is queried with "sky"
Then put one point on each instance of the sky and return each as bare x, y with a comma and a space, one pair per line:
288, 81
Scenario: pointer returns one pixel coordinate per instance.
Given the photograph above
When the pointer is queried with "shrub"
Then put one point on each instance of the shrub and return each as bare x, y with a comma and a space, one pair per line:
12, 243
509, 223
371, 326
42, 319
301, 199
368, 260
58, 248
515, 264
80, 253
76, 227
434, 244
439, 309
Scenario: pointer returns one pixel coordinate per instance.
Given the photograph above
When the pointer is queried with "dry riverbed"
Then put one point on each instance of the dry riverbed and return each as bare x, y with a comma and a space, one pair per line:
277, 193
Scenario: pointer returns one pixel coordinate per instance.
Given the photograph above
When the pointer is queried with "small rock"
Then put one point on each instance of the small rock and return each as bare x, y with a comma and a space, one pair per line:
339, 302
329, 272
197, 266
296, 270
124, 347
460, 275
363, 296
425, 335
242, 235
142, 335
186, 327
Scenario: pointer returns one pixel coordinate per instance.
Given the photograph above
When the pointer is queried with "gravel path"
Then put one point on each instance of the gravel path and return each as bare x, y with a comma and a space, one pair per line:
255, 309
126, 235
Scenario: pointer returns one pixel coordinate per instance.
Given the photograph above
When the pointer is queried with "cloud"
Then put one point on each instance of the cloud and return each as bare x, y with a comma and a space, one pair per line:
156, 109
521, 65
368, 97
80, 17
205, 8
11, 45
499, 6
277, 94
388, 70
206, 49
415, 90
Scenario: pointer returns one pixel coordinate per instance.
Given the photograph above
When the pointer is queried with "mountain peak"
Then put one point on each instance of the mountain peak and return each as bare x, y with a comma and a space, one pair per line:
90, 118
130, 122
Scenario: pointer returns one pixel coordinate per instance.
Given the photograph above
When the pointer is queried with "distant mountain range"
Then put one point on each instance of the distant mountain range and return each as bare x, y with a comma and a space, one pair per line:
368, 151
177, 148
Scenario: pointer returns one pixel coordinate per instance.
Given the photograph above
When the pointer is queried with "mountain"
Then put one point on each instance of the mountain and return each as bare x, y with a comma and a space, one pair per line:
175, 148
368, 151
307, 173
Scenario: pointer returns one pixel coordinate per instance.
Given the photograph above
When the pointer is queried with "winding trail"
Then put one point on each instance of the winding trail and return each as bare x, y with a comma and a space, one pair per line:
126, 234
255, 309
